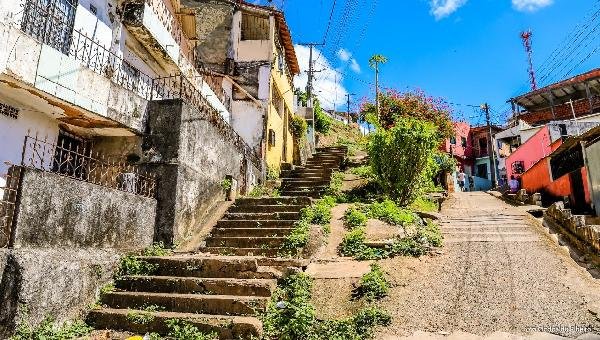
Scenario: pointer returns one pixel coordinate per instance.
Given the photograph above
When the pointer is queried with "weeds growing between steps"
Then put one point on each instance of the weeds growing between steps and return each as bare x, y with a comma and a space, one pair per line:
291, 316
419, 236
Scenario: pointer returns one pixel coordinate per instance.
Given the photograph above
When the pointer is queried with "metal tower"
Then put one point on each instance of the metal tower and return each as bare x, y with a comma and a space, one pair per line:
526, 37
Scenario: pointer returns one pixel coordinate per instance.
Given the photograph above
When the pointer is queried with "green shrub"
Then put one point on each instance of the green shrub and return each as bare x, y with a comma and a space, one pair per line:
401, 157
424, 204
132, 265
183, 330
390, 212
335, 184
157, 249
322, 121
226, 184
297, 239
408, 246
364, 171
291, 316
355, 218
140, 317
433, 235
273, 173
353, 242
47, 330
373, 285
298, 126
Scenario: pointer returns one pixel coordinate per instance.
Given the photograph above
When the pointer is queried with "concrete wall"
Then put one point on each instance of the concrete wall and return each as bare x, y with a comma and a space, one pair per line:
61, 283
593, 163
192, 153
530, 152
56, 211
248, 121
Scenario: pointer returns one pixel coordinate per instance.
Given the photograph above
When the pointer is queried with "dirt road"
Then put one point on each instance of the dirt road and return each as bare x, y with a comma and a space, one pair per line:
499, 275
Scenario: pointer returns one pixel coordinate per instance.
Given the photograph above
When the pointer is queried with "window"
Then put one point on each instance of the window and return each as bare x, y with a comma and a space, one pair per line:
463, 142
453, 140
518, 167
50, 21
482, 171
93, 9
255, 27
9, 111
563, 129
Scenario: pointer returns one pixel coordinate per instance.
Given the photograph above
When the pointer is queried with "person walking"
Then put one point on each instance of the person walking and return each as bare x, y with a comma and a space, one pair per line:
461, 180
513, 184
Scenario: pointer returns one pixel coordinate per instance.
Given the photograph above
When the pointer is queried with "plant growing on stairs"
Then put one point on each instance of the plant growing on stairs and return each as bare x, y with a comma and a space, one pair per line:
318, 213
373, 285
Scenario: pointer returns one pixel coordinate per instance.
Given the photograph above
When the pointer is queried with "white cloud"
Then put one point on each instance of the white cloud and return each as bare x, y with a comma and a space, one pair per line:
443, 8
344, 54
328, 83
354, 66
530, 5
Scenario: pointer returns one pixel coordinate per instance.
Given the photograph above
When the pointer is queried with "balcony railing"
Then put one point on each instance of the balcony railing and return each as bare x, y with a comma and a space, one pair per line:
52, 24
178, 87
83, 164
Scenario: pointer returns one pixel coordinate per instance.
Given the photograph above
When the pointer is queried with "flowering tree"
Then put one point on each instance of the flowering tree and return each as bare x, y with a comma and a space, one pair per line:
411, 104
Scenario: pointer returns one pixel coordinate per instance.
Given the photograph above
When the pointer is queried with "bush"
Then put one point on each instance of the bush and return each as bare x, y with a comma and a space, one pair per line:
408, 246
364, 171
322, 121
291, 316
183, 330
373, 284
298, 126
318, 213
157, 249
335, 185
354, 218
424, 204
353, 242
131, 265
390, 212
433, 235
47, 330
400, 158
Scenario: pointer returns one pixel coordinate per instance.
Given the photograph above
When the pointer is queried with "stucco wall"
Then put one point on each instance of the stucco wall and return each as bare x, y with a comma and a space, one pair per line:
61, 283
536, 148
56, 211
247, 120
191, 155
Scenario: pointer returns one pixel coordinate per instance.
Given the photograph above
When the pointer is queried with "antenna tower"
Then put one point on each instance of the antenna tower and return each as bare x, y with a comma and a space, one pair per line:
526, 37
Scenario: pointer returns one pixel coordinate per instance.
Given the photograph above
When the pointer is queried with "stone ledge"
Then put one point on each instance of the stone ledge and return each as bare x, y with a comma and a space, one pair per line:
576, 225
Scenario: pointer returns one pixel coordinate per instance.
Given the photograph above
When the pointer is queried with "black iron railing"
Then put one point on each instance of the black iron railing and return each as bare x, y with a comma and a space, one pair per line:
9, 183
83, 164
179, 87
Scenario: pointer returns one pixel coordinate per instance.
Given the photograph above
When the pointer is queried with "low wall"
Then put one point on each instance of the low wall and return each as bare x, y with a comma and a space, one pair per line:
61, 283
57, 211
191, 155
589, 235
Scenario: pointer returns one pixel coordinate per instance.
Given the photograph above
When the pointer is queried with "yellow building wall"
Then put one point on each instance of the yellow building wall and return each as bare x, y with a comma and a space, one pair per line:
279, 121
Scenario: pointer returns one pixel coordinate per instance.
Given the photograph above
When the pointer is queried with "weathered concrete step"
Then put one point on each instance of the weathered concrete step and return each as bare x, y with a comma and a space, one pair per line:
227, 327
188, 303
479, 229
307, 175
192, 285
304, 186
312, 194
495, 239
245, 242
255, 223
229, 251
251, 232
305, 180
273, 201
287, 215
208, 267
265, 208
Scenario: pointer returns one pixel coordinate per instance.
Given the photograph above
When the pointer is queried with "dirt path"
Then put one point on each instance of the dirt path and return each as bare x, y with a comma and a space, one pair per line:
499, 272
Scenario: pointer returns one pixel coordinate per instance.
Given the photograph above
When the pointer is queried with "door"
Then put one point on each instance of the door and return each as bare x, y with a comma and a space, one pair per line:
51, 22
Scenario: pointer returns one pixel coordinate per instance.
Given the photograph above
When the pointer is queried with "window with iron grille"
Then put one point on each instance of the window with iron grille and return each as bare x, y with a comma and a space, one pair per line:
51, 22
9, 111
518, 167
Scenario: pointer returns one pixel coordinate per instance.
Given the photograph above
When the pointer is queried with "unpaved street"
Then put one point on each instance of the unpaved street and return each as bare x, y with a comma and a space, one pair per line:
499, 274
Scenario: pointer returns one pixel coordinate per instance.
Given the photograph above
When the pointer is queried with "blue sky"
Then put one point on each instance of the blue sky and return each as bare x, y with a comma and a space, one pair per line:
467, 51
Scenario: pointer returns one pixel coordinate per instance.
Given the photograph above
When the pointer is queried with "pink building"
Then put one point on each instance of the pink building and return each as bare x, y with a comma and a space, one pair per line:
460, 145
528, 154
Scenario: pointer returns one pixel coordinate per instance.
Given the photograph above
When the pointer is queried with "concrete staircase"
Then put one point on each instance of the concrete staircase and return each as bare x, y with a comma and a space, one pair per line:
223, 288
259, 226
219, 294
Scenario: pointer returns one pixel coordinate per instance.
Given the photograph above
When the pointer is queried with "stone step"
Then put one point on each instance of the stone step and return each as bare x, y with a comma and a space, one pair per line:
192, 285
255, 223
273, 201
287, 215
265, 208
303, 186
229, 251
187, 303
227, 327
251, 232
209, 267
312, 194
245, 242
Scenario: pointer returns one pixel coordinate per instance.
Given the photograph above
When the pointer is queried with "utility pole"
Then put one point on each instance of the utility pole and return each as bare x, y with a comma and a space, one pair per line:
492, 153
348, 102
374, 63
309, 85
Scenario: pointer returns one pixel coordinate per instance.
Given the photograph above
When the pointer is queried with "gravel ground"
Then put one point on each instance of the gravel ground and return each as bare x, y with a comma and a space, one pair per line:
498, 272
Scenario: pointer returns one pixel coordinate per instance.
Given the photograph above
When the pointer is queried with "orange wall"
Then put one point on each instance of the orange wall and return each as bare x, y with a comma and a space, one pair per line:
537, 177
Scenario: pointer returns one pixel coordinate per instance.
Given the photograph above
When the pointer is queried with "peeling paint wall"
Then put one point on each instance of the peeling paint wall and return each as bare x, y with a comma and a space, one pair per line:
214, 26
192, 155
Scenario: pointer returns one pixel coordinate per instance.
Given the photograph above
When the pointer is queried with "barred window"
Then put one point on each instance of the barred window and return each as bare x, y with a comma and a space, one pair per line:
9, 111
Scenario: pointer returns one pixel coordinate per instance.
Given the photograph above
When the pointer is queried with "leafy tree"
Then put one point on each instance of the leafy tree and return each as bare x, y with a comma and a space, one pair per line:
411, 104
402, 158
